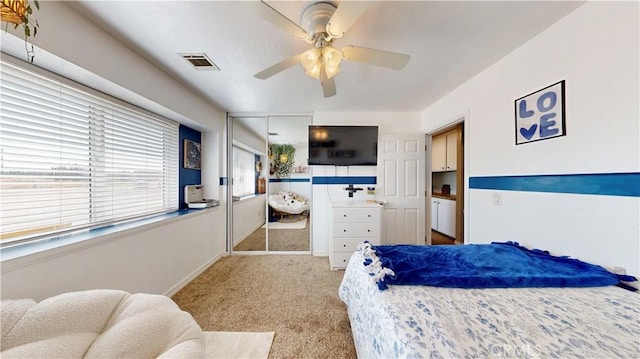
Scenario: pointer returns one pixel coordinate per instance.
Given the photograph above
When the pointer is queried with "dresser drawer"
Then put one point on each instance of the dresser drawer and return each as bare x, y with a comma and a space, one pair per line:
347, 214
340, 260
356, 230
348, 244
351, 224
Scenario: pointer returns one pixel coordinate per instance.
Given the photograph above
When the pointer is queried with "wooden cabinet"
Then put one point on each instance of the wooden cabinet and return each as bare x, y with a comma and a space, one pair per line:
439, 153
434, 214
443, 216
352, 223
444, 150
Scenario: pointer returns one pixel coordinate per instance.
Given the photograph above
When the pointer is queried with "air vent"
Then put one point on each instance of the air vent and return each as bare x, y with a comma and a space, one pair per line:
273, 134
200, 62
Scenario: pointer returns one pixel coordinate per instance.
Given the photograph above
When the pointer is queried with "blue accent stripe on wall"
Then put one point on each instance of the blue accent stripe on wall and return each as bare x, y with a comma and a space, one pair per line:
605, 184
344, 180
276, 180
186, 176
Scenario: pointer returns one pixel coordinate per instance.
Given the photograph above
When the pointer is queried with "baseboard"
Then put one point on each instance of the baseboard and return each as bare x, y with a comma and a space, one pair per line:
176, 288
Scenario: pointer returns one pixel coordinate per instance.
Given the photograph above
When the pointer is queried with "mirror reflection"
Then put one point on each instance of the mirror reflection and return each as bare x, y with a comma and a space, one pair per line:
249, 183
271, 184
289, 200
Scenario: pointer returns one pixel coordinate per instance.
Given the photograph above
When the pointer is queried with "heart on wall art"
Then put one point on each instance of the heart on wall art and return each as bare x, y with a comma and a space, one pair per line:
541, 114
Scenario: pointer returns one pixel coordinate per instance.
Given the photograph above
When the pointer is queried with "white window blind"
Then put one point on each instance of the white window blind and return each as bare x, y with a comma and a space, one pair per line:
244, 172
72, 159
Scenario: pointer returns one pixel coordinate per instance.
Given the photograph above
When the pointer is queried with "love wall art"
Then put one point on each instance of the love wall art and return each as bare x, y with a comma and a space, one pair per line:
540, 115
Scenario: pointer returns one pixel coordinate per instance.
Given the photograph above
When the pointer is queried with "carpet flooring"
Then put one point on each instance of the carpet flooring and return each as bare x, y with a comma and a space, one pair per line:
285, 240
295, 296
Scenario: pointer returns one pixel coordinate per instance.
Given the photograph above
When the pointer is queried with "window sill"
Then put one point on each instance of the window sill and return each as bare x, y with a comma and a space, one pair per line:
248, 197
73, 241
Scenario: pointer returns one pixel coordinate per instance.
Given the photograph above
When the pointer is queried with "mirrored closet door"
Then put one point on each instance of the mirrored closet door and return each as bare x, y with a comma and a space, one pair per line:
248, 184
289, 200
270, 183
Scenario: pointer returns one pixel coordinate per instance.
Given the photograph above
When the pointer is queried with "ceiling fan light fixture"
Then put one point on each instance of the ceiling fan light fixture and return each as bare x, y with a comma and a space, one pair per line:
331, 57
314, 60
323, 22
314, 72
331, 71
309, 58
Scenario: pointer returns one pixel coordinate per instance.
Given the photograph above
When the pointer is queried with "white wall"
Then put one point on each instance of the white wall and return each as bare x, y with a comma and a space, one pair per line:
159, 258
301, 188
387, 122
247, 139
213, 165
248, 215
595, 49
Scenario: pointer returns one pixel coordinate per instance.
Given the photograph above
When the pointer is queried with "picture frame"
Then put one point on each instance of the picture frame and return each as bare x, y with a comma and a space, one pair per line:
192, 155
540, 115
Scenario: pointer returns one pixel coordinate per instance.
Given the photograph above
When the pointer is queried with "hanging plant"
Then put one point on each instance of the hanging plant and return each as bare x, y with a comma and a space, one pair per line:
18, 12
282, 159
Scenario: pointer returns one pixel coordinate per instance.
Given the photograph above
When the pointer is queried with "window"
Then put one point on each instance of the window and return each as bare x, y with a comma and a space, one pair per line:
244, 172
72, 158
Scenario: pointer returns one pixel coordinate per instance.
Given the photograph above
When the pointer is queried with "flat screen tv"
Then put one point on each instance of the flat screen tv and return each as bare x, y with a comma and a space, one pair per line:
343, 145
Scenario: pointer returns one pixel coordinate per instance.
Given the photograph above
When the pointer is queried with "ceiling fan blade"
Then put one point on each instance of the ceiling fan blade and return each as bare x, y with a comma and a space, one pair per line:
392, 60
345, 15
276, 18
328, 84
280, 66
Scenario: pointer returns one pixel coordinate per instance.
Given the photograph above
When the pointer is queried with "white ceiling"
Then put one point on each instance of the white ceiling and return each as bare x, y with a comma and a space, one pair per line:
449, 42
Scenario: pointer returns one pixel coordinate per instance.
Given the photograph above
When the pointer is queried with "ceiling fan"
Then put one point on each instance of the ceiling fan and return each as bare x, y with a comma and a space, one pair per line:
322, 22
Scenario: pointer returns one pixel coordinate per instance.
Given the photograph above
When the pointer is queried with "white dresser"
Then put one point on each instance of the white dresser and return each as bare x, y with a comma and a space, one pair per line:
352, 223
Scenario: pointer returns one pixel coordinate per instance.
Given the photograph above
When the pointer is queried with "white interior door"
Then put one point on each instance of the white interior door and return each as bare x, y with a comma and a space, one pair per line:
401, 185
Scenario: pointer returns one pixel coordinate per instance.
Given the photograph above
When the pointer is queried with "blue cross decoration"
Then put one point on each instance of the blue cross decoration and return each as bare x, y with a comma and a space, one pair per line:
541, 114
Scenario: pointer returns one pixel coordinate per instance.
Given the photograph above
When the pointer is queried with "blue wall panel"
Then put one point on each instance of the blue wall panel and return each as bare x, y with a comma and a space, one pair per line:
605, 184
278, 180
187, 176
344, 180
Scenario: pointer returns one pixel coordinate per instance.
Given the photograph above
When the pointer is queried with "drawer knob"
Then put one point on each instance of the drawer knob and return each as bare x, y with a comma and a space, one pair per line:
368, 215
344, 230
344, 245
344, 215
368, 230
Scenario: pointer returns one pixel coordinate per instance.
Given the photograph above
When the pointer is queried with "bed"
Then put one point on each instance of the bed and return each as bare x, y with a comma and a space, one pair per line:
417, 321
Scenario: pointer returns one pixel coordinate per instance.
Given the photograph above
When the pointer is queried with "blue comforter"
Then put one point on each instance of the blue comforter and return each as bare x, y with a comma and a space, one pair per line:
496, 265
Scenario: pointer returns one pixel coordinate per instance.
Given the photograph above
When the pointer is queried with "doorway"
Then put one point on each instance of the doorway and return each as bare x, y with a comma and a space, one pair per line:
445, 184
